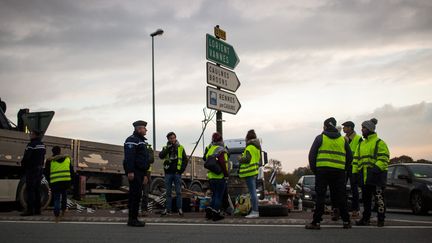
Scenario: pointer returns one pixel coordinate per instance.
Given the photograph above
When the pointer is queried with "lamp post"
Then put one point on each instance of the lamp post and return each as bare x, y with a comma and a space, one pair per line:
157, 32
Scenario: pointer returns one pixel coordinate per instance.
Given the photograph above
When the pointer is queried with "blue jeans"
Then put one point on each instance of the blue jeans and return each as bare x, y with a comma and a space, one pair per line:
169, 179
60, 201
217, 187
251, 184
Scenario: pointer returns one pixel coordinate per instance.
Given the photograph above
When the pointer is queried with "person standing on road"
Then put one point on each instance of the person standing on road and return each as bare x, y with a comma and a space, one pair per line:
218, 153
59, 173
136, 164
249, 163
147, 182
353, 139
32, 164
329, 158
372, 158
175, 162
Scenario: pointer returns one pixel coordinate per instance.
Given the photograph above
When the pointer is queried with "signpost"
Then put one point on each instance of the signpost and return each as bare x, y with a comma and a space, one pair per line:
222, 78
221, 52
222, 101
38, 121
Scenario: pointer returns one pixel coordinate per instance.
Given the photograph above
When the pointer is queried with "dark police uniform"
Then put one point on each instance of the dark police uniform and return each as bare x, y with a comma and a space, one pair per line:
137, 160
32, 163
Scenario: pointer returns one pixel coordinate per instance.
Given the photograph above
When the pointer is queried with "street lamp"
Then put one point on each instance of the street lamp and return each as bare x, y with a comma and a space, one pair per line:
157, 32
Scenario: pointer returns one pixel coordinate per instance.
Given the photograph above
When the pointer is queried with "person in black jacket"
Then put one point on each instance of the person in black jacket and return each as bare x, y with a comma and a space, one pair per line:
136, 164
175, 162
59, 173
330, 158
32, 164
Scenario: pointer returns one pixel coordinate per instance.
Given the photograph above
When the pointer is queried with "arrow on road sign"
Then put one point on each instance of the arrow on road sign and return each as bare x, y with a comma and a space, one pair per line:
222, 77
222, 101
221, 52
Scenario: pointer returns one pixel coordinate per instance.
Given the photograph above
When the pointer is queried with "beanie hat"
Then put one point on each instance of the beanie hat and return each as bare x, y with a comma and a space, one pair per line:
330, 122
370, 124
216, 137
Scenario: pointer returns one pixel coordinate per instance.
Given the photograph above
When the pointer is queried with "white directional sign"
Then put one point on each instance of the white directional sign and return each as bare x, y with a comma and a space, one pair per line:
222, 101
222, 78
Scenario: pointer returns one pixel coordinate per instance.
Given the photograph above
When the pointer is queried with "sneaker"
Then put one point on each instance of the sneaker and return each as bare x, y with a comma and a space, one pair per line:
135, 223
363, 222
217, 215
380, 224
355, 214
253, 214
180, 212
209, 213
313, 226
165, 213
347, 225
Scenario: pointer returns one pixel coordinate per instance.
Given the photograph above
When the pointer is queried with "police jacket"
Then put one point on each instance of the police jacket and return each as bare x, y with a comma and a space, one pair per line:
34, 155
136, 154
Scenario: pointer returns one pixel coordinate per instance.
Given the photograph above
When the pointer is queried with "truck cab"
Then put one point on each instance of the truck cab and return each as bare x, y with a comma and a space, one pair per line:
236, 148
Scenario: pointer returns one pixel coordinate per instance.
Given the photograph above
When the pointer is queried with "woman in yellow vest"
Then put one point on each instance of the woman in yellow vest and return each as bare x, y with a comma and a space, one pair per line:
217, 180
249, 164
372, 158
59, 173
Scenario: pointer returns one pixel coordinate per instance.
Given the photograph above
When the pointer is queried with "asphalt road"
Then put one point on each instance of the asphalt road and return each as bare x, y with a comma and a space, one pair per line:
115, 232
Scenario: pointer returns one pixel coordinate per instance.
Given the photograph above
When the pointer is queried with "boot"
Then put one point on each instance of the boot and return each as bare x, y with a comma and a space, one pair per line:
217, 215
209, 213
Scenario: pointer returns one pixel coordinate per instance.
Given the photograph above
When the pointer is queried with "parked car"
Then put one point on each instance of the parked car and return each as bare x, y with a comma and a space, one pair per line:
409, 186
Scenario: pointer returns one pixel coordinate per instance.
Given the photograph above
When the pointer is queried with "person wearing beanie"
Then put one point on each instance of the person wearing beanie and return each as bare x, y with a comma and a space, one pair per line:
330, 158
175, 163
137, 160
59, 173
353, 139
249, 165
217, 153
372, 158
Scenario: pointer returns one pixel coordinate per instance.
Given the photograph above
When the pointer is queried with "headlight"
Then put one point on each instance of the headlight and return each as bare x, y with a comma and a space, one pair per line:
429, 187
307, 196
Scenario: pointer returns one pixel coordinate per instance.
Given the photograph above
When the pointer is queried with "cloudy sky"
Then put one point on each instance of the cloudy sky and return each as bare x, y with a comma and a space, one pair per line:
301, 62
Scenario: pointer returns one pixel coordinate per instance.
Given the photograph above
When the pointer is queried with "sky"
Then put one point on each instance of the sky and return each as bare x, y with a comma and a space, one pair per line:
300, 63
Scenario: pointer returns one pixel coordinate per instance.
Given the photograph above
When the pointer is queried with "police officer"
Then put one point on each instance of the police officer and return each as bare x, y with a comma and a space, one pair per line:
32, 164
372, 158
329, 158
136, 164
175, 162
353, 139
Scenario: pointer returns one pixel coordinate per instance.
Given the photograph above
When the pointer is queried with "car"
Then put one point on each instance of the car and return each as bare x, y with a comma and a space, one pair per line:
306, 191
409, 186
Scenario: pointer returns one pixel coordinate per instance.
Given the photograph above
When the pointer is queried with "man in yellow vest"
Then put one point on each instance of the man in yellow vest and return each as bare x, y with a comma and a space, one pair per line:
249, 164
217, 179
372, 158
59, 173
175, 162
353, 139
329, 158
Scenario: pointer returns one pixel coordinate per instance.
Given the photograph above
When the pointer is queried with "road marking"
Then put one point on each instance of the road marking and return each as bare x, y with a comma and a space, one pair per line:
222, 225
411, 221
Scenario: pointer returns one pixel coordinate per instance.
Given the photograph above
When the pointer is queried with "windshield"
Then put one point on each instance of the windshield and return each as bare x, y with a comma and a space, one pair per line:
421, 171
309, 180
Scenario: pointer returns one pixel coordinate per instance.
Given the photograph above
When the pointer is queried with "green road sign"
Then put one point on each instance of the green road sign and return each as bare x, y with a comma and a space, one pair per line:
221, 52
38, 121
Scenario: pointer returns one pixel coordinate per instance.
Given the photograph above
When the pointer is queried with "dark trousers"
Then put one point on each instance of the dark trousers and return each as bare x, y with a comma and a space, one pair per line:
336, 181
60, 200
354, 182
33, 191
217, 187
135, 192
145, 194
370, 191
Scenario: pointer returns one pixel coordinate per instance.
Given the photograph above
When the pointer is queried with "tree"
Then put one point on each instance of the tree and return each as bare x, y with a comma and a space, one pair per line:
301, 171
401, 159
275, 164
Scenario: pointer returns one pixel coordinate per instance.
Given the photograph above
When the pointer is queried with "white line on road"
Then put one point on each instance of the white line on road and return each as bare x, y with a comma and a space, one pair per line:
223, 225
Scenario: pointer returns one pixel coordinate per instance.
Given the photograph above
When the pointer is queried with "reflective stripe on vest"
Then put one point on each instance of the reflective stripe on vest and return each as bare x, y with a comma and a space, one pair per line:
180, 150
353, 145
60, 171
367, 155
250, 169
332, 153
212, 150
